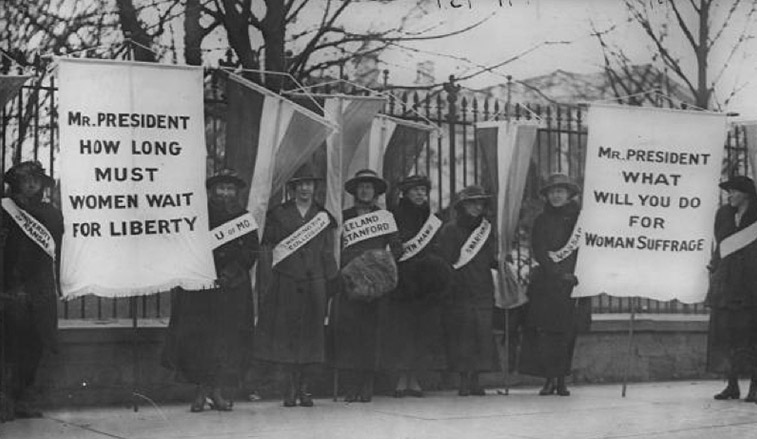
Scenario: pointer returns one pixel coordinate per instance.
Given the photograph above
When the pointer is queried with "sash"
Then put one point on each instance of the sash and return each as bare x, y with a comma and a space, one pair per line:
738, 240
300, 237
572, 245
421, 239
31, 227
370, 225
233, 229
474, 244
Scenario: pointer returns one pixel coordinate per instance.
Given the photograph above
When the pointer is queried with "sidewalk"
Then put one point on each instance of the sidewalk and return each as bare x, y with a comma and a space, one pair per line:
673, 410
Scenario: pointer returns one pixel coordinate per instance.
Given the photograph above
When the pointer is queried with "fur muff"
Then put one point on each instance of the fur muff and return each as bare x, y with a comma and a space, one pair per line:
370, 275
424, 278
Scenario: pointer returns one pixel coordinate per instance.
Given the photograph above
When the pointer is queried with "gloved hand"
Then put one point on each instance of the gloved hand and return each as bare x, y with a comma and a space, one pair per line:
570, 279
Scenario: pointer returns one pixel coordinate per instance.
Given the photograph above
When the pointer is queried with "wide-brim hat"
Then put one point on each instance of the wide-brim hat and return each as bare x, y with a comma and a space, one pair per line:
225, 176
366, 175
471, 193
29, 168
414, 181
740, 183
560, 180
304, 173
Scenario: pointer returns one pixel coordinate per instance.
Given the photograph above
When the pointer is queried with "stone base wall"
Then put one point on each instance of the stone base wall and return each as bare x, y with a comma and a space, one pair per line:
113, 364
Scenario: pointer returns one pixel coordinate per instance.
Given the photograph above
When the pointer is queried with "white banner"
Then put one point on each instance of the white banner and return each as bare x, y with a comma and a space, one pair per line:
35, 230
370, 225
649, 201
300, 237
132, 166
233, 229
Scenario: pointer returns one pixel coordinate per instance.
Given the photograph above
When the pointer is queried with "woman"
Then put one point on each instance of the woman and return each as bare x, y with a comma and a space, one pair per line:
411, 324
210, 331
468, 243
551, 315
368, 231
29, 301
732, 297
290, 332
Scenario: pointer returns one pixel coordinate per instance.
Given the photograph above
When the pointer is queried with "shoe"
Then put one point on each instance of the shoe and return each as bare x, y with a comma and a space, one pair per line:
475, 388
464, 384
290, 395
399, 393
366, 391
548, 388
751, 395
306, 399
477, 391
414, 393
198, 405
24, 411
218, 402
290, 403
561, 389
730, 392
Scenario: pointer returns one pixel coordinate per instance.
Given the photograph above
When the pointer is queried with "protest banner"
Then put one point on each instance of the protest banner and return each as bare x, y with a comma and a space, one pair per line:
132, 167
649, 200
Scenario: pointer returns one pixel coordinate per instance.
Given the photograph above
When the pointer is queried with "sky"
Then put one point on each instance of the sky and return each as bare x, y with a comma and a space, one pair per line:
513, 29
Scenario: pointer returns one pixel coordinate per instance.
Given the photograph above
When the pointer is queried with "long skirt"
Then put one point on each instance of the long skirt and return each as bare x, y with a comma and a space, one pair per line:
469, 337
732, 341
546, 354
412, 337
204, 344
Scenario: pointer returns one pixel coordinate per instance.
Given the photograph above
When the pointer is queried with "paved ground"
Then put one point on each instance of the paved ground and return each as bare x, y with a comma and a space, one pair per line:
679, 410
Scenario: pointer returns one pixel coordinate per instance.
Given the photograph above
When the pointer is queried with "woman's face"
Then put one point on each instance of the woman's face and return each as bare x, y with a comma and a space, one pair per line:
474, 208
417, 195
304, 190
224, 191
558, 196
29, 185
365, 192
737, 198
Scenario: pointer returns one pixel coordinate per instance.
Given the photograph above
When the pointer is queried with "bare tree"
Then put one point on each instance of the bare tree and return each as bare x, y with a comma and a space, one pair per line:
711, 33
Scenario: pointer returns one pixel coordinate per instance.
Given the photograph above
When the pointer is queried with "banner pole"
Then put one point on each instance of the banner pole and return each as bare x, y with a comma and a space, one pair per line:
134, 353
627, 368
507, 351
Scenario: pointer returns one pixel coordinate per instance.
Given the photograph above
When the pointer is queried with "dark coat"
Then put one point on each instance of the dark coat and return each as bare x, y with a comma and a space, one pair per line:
732, 296
356, 332
467, 314
292, 312
29, 302
411, 316
734, 280
210, 331
552, 317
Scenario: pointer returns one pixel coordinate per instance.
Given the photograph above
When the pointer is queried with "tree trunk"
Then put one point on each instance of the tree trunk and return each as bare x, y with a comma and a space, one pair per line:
132, 29
193, 33
703, 91
273, 30
237, 31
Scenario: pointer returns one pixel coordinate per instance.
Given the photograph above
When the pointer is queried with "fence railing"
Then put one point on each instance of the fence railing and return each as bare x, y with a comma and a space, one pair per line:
28, 130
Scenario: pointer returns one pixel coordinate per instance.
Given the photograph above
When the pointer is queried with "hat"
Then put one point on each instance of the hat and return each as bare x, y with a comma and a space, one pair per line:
560, 180
225, 175
32, 167
369, 176
470, 193
740, 183
414, 181
305, 172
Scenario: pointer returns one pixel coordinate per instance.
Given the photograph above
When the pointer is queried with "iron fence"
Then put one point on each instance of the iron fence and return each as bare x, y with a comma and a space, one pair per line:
28, 131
